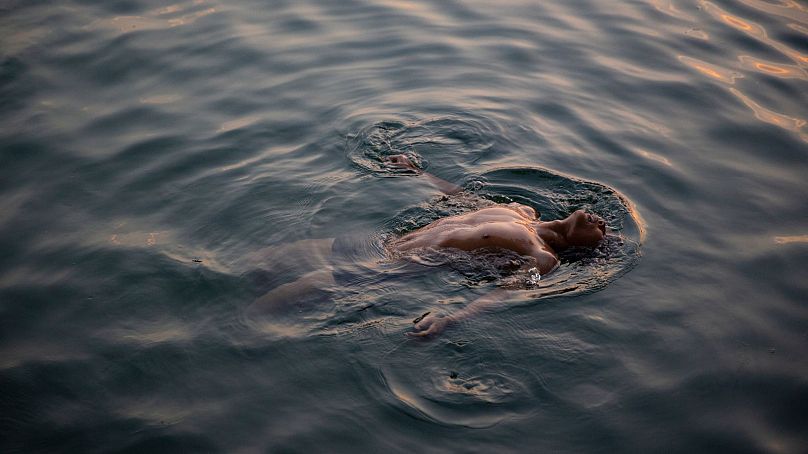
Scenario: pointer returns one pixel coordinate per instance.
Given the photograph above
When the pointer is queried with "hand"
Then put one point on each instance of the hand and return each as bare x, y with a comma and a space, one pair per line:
401, 161
431, 325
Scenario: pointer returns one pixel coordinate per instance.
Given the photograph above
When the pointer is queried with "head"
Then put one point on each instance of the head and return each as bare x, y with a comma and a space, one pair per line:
584, 229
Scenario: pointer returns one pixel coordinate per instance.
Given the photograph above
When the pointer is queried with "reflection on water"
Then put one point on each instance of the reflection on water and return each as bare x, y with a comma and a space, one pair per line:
773, 69
669, 7
769, 68
166, 17
754, 30
791, 239
160, 99
716, 72
238, 123
799, 28
766, 115
789, 9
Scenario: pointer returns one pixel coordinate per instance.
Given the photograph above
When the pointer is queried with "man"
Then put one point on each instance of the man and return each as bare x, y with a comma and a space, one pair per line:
513, 227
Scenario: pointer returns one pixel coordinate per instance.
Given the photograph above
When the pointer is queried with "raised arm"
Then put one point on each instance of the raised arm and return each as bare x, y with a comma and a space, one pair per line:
403, 162
433, 324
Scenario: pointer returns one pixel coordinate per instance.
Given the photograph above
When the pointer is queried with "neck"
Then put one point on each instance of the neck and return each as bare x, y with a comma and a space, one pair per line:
553, 233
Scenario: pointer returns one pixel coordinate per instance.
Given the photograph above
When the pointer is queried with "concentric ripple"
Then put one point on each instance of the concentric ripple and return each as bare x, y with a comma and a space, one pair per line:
466, 392
441, 138
554, 196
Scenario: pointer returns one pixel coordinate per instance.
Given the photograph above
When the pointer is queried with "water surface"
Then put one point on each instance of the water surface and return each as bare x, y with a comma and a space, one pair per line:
148, 150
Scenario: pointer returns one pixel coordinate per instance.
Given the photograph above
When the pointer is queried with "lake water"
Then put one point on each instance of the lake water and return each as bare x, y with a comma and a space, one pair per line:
151, 154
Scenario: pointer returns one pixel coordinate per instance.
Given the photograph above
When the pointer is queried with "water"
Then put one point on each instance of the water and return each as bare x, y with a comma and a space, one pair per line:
149, 151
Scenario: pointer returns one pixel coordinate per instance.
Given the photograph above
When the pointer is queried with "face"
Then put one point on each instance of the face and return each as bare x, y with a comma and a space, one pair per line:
586, 229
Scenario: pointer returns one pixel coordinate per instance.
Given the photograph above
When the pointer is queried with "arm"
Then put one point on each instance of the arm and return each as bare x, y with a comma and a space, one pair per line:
430, 324
403, 162
434, 324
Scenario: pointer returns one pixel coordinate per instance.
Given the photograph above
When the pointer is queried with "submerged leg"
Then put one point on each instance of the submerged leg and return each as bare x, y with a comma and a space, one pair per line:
310, 286
311, 254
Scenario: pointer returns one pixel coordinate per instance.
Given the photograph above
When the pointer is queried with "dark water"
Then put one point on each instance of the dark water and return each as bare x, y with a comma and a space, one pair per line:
148, 151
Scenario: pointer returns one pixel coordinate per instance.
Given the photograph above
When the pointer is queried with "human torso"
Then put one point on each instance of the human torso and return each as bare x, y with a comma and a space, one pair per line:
511, 227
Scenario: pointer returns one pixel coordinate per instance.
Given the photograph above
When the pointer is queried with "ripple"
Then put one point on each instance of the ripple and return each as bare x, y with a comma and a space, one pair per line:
444, 138
554, 196
166, 17
161, 99
710, 70
773, 69
667, 7
468, 393
786, 8
786, 239
753, 30
768, 116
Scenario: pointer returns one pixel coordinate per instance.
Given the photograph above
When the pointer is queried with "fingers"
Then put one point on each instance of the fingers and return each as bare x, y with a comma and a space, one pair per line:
423, 325
431, 326
423, 328
425, 333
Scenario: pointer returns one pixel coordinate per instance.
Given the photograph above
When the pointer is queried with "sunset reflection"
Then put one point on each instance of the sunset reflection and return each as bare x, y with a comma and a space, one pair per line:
155, 19
667, 7
755, 31
791, 239
773, 69
768, 116
786, 8
710, 70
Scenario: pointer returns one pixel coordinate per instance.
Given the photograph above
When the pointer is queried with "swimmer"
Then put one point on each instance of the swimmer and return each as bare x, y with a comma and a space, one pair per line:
513, 227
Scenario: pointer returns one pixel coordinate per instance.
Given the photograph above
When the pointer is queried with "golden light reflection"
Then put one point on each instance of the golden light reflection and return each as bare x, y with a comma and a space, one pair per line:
799, 28
642, 227
710, 70
175, 8
238, 123
667, 7
655, 157
154, 334
771, 117
697, 33
786, 8
134, 239
754, 30
190, 18
773, 69
743, 25
420, 9
155, 19
734, 21
791, 239
15, 354
159, 412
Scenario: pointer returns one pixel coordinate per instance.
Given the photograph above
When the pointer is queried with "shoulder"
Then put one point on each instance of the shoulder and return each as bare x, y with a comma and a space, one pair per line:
546, 261
524, 210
